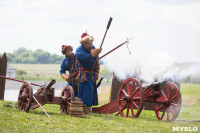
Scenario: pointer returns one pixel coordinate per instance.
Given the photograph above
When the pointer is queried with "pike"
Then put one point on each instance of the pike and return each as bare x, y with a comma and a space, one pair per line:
108, 26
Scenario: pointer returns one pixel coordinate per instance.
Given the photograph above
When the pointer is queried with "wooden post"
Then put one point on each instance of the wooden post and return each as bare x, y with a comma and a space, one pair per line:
3, 67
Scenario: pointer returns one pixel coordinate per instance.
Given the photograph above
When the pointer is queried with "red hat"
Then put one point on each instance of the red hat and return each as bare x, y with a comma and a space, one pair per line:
86, 38
84, 34
65, 48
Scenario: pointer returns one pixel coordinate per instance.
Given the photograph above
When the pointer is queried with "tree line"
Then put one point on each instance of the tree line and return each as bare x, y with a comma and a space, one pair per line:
39, 56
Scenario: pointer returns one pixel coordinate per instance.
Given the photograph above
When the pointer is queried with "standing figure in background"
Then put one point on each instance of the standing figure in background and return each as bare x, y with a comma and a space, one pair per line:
86, 56
69, 64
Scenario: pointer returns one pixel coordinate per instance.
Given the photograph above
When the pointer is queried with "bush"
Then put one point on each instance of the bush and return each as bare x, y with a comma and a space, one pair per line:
21, 72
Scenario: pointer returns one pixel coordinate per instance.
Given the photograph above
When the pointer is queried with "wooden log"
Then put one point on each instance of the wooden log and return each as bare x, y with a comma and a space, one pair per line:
3, 73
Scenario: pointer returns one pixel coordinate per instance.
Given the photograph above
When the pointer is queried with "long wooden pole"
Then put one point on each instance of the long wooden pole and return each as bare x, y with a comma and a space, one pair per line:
18, 80
41, 107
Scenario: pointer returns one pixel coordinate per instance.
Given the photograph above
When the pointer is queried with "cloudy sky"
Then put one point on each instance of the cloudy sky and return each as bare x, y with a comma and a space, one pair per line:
170, 26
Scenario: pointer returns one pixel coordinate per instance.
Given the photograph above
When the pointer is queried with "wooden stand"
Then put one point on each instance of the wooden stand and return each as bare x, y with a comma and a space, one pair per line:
76, 108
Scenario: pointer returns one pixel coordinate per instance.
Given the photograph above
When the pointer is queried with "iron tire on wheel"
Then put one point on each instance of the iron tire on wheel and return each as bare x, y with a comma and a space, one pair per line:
25, 97
172, 105
67, 95
131, 97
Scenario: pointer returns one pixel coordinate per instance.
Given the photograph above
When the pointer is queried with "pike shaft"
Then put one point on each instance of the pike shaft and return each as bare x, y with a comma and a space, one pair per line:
41, 107
112, 50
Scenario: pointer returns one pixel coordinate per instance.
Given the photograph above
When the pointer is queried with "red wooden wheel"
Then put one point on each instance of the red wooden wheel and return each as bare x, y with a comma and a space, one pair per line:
67, 95
131, 98
25, 97
171, 106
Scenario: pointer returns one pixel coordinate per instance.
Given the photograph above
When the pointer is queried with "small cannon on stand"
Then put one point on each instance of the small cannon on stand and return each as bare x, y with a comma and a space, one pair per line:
45, 95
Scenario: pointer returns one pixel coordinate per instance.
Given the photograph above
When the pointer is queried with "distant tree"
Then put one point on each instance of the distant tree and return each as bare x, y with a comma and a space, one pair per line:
39, 56
20, 51
42, 57
56, 59
10, 57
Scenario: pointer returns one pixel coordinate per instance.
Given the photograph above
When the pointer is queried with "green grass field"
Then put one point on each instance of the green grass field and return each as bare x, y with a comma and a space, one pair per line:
45, 72
12, 120
38, 71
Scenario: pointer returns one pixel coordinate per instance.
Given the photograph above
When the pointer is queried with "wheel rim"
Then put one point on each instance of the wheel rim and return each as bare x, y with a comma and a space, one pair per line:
67, 95
130, 97
25, 97
170, 109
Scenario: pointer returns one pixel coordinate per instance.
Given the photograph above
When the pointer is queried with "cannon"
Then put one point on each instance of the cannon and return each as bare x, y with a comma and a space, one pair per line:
165, 96
44, 95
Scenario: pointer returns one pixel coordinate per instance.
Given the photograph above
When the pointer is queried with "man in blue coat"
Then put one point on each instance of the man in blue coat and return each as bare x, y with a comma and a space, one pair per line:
86, 56
70, 64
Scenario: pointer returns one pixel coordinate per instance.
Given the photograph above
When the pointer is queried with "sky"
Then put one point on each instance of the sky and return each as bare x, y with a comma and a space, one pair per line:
170, 28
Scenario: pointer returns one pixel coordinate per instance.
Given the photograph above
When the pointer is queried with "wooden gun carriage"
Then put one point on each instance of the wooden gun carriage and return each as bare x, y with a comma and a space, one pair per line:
165, 96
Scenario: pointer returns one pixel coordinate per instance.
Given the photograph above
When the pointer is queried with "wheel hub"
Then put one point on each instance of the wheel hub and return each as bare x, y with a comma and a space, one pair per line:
127, 99
167, 103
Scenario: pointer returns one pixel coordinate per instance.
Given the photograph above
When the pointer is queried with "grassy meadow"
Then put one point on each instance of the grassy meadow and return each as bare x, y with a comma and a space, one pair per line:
12, 120
38, 72
43, 72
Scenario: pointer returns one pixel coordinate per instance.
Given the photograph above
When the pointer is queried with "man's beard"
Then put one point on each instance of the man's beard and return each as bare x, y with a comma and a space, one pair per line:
70, 56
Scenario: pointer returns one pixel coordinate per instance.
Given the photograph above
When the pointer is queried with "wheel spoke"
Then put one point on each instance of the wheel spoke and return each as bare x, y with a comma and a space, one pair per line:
127, 110
21, 106
173, 98
132, 88
69, 99
163, 94
27, 100
27, 90
137, 89
121, 109
160, 108
167, 92
173, 104
68, 95
136, 98
172, 110
132, 112
168, 114
64, 93
128, 89
124, 92
163, 113
121, 99
171, 93
135, 104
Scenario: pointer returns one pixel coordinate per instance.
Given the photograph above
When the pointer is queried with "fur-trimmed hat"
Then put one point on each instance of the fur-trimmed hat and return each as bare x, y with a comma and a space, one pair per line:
65, 48
86, 38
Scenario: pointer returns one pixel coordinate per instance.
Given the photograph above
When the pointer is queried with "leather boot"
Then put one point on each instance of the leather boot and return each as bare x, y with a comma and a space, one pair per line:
86, 110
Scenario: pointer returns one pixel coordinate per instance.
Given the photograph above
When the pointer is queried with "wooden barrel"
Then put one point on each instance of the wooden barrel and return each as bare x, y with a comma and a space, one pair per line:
76, 108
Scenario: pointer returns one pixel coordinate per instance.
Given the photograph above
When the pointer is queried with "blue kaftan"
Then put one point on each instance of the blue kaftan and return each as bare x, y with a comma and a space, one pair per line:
87, 91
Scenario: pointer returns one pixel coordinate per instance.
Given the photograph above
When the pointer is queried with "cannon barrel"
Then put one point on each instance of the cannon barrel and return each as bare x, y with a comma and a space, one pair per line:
48, 86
